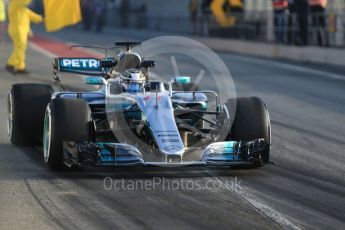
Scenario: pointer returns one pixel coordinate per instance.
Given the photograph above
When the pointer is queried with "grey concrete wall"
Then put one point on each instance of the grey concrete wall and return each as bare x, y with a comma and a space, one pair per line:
334, 56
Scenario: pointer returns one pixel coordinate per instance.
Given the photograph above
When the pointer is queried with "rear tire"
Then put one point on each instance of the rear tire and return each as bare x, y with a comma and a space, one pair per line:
65, 120
26, 108
251, 122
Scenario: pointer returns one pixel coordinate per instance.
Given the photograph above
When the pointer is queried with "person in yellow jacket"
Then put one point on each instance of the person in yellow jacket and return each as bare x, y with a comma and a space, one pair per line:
20, 17
2, 17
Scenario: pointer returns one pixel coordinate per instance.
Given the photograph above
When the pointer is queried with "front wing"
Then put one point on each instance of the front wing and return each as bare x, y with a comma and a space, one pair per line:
228, 153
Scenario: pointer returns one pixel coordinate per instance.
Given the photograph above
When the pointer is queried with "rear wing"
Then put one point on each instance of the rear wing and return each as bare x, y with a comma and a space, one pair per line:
87, 66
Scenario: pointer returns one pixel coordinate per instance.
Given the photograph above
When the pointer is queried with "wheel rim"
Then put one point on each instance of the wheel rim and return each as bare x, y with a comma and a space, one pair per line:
10, 115
269, 129
47, 135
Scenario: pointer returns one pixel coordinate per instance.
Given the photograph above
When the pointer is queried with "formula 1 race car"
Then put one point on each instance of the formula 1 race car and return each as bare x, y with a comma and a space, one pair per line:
133, 120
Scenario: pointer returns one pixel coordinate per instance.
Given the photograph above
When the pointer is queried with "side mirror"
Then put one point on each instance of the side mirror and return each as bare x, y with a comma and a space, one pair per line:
94, 81
182, 80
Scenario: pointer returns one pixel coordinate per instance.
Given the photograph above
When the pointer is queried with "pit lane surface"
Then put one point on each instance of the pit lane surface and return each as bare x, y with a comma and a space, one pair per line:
306, 189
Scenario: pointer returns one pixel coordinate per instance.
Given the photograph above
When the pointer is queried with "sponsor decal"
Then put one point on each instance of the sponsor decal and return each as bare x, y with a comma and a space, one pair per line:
80, 64
173, 147
168, 131
170, 140
168, 135
221, 151
148, 97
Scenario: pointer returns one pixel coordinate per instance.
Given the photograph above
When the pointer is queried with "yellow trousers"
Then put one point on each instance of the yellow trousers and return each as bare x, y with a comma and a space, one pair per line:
20, 17
19, 40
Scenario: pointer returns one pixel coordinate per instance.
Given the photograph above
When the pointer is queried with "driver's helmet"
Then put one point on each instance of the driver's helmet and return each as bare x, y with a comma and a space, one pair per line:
133, 80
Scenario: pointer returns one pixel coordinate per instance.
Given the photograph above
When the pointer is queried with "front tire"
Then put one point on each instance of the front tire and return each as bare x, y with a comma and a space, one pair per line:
251, 122
65, 120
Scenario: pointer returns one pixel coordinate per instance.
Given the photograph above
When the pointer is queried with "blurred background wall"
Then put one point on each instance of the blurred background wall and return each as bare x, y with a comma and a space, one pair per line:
254, 21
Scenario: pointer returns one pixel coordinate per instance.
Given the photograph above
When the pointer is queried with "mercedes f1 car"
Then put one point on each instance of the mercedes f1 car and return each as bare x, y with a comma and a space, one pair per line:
133, 120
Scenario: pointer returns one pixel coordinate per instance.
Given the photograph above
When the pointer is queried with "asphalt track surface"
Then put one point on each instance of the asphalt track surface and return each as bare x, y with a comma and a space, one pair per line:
304, 190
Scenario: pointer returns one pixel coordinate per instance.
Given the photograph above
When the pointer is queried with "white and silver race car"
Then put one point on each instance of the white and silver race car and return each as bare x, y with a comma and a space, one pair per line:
132, 120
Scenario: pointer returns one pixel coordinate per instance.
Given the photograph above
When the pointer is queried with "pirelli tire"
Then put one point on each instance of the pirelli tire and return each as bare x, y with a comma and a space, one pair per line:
26, 107
66, 119
251, 121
